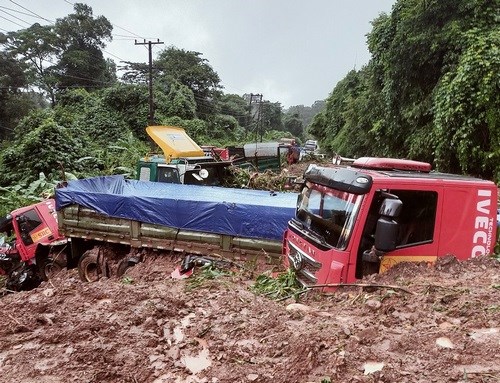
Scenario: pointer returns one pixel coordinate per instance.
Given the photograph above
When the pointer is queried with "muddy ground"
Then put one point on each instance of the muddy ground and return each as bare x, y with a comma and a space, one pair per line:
417, 323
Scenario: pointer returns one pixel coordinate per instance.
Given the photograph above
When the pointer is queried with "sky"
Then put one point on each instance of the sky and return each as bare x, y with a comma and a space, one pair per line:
290, 51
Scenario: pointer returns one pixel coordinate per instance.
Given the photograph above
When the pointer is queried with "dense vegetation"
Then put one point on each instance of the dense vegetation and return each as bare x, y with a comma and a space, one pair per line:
430, 92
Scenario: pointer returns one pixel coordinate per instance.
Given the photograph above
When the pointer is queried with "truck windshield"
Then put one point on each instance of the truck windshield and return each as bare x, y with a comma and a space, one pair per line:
329, 215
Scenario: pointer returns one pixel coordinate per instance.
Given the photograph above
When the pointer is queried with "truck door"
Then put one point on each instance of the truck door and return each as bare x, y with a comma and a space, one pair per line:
417, 228
30, 230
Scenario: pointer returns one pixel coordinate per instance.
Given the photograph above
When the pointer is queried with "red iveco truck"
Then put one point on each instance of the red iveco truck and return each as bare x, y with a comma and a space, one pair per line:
362, 219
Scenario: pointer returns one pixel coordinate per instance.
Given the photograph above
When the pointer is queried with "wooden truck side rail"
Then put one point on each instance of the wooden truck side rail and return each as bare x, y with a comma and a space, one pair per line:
76, 221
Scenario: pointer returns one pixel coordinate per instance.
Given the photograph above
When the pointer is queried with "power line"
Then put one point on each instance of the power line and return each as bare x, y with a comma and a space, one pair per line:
13, 22
21, 13
30, 11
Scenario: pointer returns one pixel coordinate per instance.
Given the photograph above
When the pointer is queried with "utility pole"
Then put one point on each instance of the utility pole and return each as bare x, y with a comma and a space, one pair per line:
257, 99
151, 118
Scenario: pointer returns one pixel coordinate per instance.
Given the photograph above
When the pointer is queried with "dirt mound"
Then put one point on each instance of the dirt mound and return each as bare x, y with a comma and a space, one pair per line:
429, 324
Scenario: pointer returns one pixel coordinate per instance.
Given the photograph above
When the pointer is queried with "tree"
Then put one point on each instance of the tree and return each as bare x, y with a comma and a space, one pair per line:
306, 113
235, 106
271, 115
80, 40
294, 125
190, 69
430, 91
36, 48
45, 149
131, 102
180, 102
14, 104
467, 107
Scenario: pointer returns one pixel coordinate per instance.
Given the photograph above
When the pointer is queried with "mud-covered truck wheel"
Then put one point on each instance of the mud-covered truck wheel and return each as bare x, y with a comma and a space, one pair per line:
49, 268
91, 267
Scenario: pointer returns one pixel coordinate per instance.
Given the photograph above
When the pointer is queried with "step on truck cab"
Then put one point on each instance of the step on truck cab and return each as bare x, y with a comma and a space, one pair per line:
364, 218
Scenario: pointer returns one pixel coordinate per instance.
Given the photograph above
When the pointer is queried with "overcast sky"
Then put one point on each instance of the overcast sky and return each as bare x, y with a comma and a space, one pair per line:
290, 51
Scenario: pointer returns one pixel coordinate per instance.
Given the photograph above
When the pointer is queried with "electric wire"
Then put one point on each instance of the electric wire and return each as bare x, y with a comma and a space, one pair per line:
30, 11
13, 22
19, 12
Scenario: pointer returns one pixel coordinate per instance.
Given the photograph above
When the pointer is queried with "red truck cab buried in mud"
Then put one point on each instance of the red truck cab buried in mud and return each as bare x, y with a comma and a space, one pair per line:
32, 226
364, 218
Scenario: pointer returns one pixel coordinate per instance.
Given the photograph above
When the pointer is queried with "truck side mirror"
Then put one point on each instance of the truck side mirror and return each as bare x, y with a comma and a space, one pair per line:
386, 232
391, 207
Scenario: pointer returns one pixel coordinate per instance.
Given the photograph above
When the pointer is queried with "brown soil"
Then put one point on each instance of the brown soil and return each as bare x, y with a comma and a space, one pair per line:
435, 324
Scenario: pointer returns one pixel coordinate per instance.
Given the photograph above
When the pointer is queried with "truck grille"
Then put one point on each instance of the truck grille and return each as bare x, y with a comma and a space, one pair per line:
304, 266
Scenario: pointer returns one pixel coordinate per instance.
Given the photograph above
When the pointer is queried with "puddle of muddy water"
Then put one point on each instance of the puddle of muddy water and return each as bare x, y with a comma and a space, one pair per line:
196, 364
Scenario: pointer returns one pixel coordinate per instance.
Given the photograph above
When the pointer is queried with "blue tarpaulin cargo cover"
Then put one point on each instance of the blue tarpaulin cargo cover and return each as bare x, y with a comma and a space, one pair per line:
236, 212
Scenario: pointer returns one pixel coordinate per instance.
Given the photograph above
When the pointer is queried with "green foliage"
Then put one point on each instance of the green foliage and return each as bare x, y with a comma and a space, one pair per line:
180, 102
224, 130
48, 148
206, 274
467, 108
351, 122
14, 104
191, 70
271, 115
430, 91
283, 285
294, 125
131, 102
36, 48
306, 113
13, 197
235, 106
81, 36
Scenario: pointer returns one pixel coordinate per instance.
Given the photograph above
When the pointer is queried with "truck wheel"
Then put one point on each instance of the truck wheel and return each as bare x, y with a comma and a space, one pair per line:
49, 268
124, 265
91, 268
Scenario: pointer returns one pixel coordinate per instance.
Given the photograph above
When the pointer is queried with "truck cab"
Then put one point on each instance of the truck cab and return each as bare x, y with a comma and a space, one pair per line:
183, 161
364, 218
190, 171
33, 243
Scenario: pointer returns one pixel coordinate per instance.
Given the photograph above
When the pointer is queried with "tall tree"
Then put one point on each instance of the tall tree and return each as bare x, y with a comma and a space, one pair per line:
467, 99
36, 48
190, 69
306, 113
235, 106
180, 101
81, 38
294, 125
15, 101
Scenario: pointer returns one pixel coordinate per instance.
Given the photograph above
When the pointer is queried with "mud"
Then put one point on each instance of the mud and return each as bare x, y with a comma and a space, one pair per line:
432, 324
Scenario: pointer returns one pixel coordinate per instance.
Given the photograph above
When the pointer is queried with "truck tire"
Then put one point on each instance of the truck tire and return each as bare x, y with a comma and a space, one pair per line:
49, 268
126, 264
91, 268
